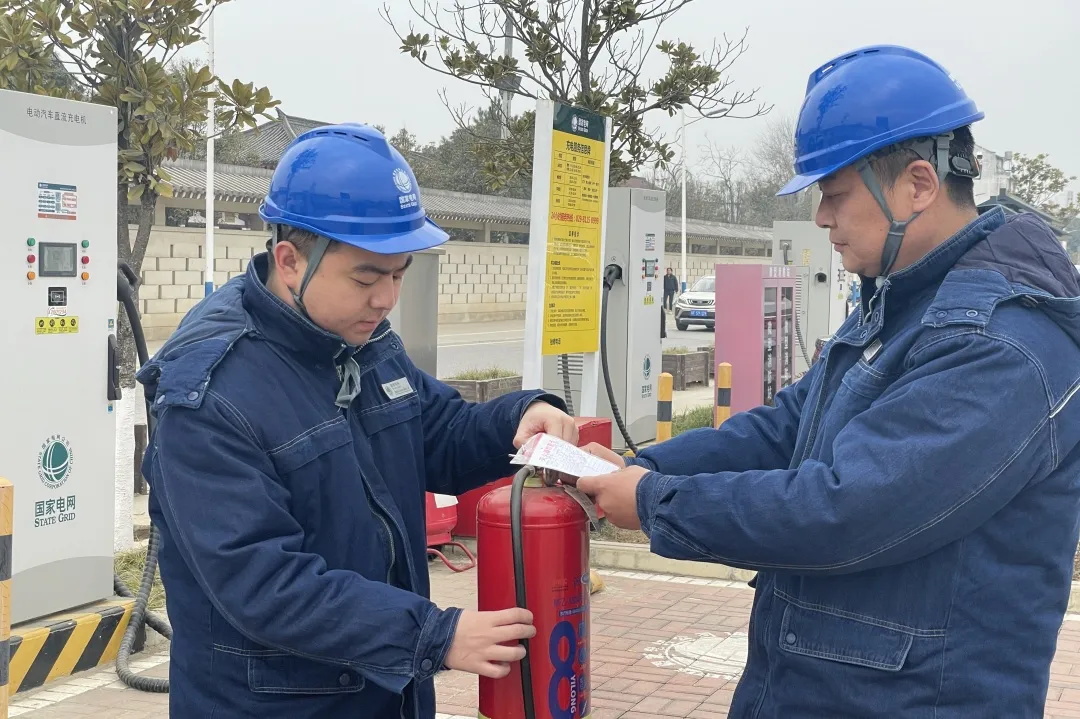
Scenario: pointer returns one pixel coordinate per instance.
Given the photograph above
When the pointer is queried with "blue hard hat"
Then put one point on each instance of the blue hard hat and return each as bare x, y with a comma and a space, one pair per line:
347, 183
869, 99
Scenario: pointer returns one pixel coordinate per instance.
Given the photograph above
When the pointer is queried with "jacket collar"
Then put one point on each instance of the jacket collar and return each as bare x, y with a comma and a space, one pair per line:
284, 325
934, 265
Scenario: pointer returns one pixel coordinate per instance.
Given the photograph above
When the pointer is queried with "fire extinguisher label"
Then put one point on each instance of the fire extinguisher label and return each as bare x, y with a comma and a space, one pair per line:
568, 650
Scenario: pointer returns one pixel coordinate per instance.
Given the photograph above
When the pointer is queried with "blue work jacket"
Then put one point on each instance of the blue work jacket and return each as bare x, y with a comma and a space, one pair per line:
293, 543
911, 505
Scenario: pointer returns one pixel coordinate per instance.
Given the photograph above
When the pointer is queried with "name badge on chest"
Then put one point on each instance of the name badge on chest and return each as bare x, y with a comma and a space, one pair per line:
398, 388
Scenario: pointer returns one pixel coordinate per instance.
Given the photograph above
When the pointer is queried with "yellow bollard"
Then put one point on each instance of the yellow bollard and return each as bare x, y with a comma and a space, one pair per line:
664, 392
7, 504
722, 410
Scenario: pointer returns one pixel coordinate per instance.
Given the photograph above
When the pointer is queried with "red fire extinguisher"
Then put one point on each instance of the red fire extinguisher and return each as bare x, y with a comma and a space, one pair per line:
533, 552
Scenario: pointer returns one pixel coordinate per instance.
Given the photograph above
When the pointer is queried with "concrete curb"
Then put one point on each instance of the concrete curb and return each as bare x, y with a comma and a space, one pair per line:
637, 557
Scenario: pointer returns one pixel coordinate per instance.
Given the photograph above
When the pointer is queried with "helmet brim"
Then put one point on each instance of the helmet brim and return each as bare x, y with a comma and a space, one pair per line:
800, 183
423, 238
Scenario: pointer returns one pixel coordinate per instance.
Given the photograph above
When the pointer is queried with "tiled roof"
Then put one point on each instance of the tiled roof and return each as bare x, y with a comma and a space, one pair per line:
236, 183
468, 207
268, 141
232, 183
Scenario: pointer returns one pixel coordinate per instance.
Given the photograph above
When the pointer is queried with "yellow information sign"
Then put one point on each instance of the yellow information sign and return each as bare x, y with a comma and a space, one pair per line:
575, 221
56, 325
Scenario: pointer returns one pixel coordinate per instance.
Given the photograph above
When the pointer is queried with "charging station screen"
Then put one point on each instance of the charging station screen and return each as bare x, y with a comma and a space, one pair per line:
57, 260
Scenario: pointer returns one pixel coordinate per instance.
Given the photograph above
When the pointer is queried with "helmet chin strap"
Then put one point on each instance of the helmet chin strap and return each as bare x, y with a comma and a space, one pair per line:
347, 368
934, 150
313, 260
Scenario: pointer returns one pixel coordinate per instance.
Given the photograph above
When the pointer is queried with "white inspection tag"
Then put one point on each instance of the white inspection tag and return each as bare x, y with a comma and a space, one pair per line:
398, 388
545, 451
444, 500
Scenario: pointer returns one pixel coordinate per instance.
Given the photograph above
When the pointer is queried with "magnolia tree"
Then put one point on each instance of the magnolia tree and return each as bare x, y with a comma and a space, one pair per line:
122, 53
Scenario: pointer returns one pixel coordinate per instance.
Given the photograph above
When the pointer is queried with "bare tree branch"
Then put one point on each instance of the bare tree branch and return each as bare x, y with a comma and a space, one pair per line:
591, 53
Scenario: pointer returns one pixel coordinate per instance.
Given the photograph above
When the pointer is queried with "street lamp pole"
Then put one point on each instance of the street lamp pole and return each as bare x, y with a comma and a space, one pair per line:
208, 249
683, 183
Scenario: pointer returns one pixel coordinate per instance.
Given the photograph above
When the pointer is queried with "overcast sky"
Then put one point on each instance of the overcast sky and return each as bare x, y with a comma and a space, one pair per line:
338, 60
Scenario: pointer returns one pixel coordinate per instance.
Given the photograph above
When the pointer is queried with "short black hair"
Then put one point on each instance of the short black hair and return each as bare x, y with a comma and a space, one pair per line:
303, 240
890, 163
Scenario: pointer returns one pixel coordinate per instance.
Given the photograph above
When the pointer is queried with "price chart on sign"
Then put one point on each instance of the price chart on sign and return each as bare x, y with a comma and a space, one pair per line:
572, 289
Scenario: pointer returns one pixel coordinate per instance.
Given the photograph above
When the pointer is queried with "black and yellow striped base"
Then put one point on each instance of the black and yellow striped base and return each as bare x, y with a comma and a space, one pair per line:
66, 644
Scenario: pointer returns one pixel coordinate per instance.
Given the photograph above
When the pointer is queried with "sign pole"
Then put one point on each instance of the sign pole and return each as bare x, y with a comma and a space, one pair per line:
532, 375
571, 152
590, 368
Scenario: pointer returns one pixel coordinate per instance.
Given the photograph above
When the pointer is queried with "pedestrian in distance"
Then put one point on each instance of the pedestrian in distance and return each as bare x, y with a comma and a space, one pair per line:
294, 445
671, 286
910, 505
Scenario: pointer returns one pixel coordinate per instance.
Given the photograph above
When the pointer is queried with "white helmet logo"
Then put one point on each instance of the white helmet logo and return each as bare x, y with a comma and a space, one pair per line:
402, 181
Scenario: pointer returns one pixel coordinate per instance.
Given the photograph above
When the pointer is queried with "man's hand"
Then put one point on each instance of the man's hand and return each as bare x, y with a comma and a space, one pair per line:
542, 418
616, 494
479, 644
599, 450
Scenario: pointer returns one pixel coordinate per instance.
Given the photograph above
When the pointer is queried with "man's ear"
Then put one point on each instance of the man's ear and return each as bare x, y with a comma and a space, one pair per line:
288, 263
923, 185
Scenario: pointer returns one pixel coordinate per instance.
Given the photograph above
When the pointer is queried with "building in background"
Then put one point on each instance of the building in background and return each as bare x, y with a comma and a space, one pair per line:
995, 173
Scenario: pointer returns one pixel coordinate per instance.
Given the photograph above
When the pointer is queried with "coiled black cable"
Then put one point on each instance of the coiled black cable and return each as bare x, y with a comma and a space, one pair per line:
612, 273
126, 281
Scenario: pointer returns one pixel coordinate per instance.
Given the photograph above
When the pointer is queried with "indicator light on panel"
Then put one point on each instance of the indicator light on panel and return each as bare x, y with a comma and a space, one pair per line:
85, 244
31, 275
85, 260
30, 242
30, 259
85, 276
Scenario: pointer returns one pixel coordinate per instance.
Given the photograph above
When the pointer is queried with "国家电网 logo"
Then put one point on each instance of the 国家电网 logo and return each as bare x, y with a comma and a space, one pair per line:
646, 367
55, 461
402, 181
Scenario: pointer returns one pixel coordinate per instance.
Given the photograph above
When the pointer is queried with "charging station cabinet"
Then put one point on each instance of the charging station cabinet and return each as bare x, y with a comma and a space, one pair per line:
58, 257
821, 299
634, 240
755, 330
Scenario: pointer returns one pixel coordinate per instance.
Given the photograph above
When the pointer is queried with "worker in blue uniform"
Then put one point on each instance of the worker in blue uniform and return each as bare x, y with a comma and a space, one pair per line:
294, 445
911, 504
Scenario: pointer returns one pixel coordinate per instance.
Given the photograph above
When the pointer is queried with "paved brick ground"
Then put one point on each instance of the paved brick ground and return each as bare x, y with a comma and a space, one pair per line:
662, 647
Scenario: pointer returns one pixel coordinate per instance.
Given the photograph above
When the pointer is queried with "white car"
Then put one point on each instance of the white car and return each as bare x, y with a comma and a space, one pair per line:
697, 306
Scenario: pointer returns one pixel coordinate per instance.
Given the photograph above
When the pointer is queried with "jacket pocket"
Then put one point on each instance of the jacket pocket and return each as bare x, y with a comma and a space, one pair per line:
280, 673
865, 381
311, 444
376, 419
819, 634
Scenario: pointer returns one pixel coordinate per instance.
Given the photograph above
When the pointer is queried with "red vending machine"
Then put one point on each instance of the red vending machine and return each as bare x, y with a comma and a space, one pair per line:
755, 330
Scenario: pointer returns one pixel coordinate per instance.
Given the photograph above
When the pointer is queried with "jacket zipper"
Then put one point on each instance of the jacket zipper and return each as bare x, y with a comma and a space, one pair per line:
380, 514
863, 318
376, 507
390, 540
